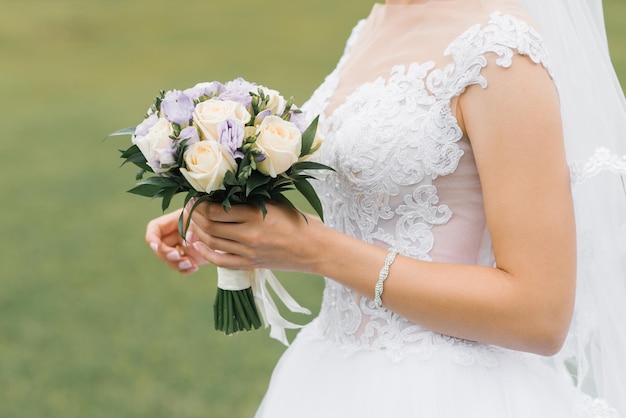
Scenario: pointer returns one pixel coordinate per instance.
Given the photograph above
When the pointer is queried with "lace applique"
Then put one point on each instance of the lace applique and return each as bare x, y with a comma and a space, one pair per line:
417, 215
384, 330
587, 407
601, 160
388, 141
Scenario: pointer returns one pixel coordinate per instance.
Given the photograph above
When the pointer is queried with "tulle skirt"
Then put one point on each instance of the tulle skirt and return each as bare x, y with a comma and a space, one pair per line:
316, 377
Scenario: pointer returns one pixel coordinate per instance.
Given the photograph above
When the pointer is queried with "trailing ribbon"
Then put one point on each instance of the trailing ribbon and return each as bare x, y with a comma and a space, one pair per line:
261, 281
266, 306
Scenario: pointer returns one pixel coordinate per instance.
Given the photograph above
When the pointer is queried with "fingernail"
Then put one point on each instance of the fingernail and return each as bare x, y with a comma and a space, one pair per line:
191, 270
184, 265
199, 246
189, 236
173, 256
154, 246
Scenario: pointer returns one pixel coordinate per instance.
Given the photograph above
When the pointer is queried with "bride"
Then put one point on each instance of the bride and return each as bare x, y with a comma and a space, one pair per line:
473, 266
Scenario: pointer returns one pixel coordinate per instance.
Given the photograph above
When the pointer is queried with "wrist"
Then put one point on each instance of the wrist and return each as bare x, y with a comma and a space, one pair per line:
315, 244
347, 260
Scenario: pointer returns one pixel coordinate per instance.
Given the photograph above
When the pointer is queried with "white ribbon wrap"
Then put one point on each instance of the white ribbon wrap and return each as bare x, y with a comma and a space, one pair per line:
228, 279
259, 280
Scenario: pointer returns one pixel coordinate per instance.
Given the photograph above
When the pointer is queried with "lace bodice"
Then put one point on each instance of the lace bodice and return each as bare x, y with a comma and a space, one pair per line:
406, 178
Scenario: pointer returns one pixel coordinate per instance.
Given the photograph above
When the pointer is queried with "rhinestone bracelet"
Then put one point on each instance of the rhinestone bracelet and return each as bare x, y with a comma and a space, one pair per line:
382, 276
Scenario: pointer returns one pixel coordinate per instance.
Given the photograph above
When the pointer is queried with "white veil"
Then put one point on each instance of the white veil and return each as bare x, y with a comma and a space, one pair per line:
594, 119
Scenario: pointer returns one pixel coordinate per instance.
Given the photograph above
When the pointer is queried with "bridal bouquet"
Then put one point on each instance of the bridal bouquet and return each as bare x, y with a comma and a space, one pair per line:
232, 143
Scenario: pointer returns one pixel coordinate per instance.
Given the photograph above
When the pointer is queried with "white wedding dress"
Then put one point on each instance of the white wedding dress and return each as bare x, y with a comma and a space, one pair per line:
406, 178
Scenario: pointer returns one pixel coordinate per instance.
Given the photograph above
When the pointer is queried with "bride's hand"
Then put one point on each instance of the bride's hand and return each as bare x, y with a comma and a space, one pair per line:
163, 237
242, 239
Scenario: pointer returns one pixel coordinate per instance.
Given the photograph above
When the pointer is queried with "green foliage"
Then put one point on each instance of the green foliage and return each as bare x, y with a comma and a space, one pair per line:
307, 137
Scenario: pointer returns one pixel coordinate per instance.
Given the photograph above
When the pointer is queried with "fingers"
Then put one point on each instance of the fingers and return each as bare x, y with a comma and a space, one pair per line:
222, 259
162, 226
212, 240
177, 258
163, 238
235, 214
235, 228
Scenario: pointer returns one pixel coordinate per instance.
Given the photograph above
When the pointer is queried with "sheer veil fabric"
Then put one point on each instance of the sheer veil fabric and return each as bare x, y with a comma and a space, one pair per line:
594, 119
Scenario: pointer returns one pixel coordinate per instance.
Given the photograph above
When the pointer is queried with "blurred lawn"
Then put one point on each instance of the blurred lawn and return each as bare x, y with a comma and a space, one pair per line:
91, 324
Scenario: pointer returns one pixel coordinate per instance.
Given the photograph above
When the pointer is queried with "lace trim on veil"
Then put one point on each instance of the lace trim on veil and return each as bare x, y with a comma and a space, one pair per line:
603, 160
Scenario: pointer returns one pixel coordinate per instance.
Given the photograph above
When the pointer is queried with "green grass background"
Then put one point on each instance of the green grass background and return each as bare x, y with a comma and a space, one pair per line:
91, 324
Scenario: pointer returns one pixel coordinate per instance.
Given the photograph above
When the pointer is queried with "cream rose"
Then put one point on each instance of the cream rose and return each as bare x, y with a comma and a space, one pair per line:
276, 103
209, 114
156, 144
281, 142
207, 163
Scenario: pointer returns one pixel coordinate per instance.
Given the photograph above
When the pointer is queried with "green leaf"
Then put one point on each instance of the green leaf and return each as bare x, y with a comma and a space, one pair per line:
298, 177
230, 179
308, 136
140, 174
181, 227
156, 186
259, 202
279, 197
261, 193
134, 155
281, 189
256, 180
309, 194
133, 149
226, 204
184, 226
147, 190
144, 166
309, 165
180, 152
161, 181
168, 194
126, 131
235, 191
135, 158
282, 180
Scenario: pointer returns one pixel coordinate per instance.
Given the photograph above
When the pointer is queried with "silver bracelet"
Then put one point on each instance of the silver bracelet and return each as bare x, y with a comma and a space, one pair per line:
382, 276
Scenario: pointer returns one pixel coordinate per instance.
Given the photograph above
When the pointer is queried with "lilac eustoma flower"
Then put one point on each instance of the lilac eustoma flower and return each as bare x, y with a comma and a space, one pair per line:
177, 107
164, 158
238, 90
190, 133
144, 127
262, 115
209, 89
230, 135
299, 120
